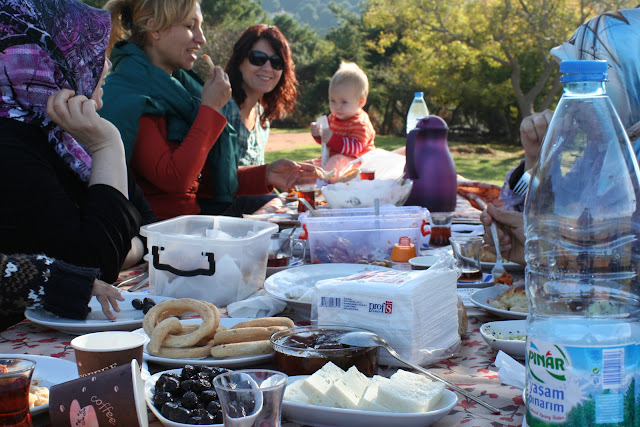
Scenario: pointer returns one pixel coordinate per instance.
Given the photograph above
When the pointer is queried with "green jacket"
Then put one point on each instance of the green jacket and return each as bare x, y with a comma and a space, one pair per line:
135, 87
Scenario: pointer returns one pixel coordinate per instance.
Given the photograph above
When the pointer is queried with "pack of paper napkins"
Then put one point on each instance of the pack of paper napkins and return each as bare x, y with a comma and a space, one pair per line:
416, 311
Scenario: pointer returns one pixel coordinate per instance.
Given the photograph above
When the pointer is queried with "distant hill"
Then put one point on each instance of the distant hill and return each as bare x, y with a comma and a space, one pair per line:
314, 13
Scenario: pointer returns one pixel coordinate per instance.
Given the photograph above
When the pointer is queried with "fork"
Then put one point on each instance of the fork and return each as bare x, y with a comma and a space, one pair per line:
498, 269
523, 184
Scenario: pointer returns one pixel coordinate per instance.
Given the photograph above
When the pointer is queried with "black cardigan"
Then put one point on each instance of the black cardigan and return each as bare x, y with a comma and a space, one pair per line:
46, 209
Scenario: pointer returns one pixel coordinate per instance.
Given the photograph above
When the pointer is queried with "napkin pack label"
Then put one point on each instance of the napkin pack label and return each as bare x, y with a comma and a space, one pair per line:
350, 304
570, 385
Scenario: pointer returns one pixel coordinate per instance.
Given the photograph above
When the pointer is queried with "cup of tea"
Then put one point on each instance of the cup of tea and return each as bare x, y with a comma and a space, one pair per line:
285, 250
440, 228
308, 193
101, 351
15, 379
466, 249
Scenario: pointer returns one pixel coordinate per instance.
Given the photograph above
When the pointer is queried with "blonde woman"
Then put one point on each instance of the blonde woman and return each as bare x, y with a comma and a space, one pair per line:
169, 118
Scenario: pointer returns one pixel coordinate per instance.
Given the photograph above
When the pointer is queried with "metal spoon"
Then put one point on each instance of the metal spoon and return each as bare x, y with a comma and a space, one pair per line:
369, 339
310, 208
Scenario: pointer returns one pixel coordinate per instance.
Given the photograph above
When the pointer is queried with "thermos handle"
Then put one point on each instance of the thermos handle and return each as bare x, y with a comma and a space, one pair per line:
155, 250
410, 158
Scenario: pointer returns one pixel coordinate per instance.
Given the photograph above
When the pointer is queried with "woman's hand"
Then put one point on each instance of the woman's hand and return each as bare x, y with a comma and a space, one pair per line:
285, 173
216, 91
532, 131
511, 229
108, 297
76, 115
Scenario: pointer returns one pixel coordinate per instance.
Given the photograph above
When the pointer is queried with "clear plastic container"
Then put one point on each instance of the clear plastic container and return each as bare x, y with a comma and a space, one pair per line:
582, 247
212, 258
358, 234
417, 110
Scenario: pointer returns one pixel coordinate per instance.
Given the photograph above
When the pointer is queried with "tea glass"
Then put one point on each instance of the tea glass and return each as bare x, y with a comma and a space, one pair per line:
307, 192
466, 249
15, 380
251, 397
285, 250
440, 228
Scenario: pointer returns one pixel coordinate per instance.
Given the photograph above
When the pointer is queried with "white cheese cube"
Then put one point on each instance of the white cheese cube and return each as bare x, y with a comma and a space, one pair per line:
369, 399
349, 389
293, 393
316, 386
409, 392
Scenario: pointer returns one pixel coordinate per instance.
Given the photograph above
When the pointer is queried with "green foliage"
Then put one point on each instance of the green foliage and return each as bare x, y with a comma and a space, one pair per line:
315, 13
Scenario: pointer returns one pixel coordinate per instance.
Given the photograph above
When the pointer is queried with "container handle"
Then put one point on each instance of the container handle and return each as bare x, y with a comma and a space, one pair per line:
305, 233
423, 228
155, 250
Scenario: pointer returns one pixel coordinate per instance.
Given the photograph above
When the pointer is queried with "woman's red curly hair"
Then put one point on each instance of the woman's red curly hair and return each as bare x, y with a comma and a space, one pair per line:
282, 99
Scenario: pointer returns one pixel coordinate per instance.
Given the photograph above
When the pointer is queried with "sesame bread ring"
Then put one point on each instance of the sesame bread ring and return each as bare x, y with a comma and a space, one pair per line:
158, 334
241, 349
208, 312
254, 333
196, 352
265, 321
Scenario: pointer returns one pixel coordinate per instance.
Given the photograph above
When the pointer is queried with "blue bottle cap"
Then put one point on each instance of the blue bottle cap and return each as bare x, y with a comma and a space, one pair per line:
574, 71
418, 94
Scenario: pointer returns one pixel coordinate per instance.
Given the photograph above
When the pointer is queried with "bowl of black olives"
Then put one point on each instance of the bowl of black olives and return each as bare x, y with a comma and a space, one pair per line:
185, 396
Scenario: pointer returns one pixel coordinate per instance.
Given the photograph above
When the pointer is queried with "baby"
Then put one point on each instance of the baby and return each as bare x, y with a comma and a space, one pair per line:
350, 133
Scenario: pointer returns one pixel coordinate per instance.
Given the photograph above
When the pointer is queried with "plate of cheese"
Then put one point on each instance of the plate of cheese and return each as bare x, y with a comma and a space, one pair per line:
332, 396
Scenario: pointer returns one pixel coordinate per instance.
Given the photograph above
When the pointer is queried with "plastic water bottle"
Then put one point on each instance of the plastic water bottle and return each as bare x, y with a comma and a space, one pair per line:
417, 110
582, 225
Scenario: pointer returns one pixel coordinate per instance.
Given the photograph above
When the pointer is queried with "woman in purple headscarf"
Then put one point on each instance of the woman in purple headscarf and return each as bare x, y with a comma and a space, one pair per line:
65, 185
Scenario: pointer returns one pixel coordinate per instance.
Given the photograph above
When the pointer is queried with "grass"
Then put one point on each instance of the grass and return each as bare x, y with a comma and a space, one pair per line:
483, 162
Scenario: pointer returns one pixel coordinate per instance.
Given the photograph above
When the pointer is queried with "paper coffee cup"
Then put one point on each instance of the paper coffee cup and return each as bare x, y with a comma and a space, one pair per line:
114, 397
101, 351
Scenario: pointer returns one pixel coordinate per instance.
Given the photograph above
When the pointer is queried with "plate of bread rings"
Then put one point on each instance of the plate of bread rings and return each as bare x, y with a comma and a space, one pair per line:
209, 339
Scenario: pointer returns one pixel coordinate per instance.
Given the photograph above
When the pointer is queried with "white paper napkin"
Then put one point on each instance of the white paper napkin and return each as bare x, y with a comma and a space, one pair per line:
260, 304
511, 371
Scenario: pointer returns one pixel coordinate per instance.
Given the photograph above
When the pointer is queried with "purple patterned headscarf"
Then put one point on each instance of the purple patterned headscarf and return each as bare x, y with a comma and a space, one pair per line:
45, 46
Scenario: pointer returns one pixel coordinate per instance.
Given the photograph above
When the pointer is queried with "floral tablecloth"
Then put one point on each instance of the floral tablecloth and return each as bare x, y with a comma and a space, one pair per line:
472, 369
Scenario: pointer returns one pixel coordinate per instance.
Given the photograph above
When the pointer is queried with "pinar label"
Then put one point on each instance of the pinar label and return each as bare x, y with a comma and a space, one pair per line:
570, 385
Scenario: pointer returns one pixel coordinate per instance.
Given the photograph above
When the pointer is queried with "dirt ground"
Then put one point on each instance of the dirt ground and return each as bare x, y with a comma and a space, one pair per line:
288, 140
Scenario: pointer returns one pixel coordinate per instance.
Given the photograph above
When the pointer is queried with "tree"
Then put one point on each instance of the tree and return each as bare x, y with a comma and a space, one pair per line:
481, 59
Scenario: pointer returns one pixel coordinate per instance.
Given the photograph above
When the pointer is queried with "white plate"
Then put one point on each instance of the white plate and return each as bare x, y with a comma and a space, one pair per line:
483, 298
227, 362
306, 277
323, 416
48, 372
126, 320
508, 266
506, 328
149, 389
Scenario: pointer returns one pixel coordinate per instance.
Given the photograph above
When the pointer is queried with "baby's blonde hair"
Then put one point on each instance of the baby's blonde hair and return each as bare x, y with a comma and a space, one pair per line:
350, 73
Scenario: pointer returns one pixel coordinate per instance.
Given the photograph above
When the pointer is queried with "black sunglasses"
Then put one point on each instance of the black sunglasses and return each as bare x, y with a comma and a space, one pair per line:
259, 58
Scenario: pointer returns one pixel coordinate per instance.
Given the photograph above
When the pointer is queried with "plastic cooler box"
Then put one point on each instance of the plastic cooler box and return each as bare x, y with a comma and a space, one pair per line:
211, 258
352, 235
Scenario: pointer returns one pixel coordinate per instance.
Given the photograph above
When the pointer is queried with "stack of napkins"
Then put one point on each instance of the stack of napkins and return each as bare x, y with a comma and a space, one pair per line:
416, 311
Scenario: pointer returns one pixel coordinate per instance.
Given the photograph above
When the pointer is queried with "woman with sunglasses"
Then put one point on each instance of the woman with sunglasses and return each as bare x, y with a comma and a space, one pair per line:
263, 83
169, 118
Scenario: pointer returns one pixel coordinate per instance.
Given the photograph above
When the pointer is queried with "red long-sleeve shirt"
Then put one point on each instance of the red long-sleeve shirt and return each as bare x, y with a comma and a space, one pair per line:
168, 172
352, 137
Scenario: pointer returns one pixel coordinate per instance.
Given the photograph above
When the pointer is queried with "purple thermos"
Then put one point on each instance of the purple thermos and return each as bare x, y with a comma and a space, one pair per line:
430, 165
